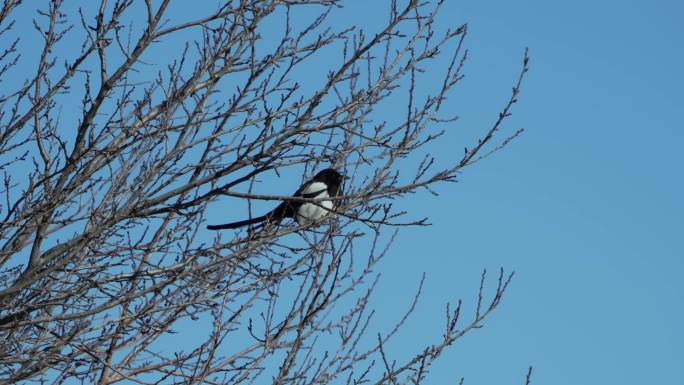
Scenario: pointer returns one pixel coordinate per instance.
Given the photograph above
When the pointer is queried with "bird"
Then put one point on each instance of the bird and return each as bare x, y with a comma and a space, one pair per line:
325, 184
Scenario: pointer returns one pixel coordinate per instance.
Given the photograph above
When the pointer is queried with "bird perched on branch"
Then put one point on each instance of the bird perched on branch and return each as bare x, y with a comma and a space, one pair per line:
324, 185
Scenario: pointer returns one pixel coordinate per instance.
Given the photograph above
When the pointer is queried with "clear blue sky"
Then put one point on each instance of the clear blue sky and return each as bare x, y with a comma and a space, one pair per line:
586, 206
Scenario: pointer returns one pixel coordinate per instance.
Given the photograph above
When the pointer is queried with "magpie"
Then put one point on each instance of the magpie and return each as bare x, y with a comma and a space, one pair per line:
324, 185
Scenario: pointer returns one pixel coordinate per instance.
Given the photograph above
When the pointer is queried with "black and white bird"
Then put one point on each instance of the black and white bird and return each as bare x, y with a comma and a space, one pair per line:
325, 184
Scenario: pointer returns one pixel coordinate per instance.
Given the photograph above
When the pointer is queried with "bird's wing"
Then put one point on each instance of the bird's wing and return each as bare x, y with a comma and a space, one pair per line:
312, 190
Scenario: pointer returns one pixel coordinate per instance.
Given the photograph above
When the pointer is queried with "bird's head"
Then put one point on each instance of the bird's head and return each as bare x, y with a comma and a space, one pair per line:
330, 176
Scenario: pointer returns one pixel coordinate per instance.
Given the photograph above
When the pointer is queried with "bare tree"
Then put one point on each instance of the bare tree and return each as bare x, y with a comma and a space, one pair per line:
111, 152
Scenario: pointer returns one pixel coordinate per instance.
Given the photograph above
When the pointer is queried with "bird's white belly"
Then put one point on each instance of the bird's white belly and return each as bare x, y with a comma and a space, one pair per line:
309, 213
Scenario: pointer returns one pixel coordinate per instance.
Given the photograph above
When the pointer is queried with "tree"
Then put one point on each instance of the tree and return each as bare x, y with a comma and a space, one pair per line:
115, 146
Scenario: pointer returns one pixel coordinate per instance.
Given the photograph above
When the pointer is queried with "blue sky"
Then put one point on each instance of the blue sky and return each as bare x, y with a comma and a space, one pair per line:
586, 206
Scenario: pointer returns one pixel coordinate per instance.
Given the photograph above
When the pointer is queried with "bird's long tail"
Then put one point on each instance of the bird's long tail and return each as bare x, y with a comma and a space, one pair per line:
246, 222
